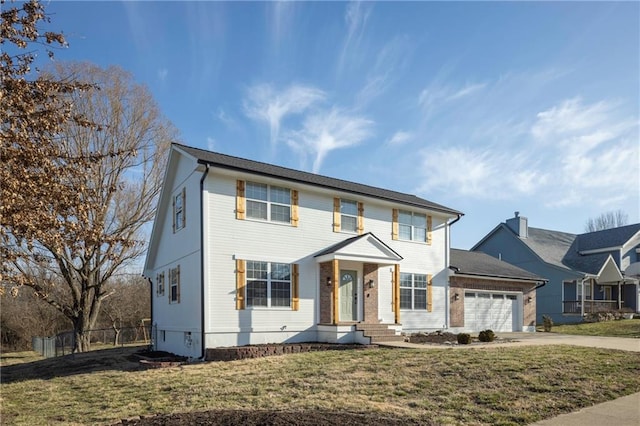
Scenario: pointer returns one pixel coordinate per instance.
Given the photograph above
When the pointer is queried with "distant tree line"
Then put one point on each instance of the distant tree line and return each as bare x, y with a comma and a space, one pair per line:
608, 220
23, 316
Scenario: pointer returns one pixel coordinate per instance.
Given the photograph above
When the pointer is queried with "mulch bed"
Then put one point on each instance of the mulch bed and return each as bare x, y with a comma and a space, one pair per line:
273, 418
435, 337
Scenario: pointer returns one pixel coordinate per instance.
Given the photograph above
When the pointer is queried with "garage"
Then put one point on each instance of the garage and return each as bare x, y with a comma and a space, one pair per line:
495, 311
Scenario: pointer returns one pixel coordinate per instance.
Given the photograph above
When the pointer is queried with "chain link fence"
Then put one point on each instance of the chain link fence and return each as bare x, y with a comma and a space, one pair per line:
101, 338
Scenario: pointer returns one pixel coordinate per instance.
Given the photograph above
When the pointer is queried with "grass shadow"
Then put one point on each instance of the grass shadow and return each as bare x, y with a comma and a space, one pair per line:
116, 359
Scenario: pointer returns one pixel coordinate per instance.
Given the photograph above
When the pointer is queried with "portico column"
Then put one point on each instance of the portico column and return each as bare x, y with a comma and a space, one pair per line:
396, 292
335, 279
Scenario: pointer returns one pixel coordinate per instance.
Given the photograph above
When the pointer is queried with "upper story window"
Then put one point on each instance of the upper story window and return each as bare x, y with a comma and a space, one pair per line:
179, 210
348, 215
413, 291
268, 202
412, 226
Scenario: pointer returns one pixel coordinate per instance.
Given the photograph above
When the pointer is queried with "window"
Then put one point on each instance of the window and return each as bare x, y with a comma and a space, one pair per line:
179, 211
267, 202
587, 290
174, 285
348, 215
412, 226
268, 284
160, 284
413, 291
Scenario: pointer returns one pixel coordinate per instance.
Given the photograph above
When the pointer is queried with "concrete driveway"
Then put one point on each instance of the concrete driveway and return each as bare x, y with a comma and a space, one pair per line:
531, 339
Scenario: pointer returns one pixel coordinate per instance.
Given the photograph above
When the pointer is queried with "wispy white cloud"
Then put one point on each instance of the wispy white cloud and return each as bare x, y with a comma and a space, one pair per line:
267, 104
399, 138
356, 16
211, 143
327, 131
280, 18
162, 74
435, 94
573, 153
390, 60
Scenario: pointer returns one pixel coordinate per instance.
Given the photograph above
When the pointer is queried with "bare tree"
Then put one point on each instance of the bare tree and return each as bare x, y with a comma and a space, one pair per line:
128, 305
99, 232
608, 220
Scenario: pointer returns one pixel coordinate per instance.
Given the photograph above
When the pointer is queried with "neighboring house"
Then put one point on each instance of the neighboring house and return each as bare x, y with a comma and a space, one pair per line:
488, 293
591, 272
244, 252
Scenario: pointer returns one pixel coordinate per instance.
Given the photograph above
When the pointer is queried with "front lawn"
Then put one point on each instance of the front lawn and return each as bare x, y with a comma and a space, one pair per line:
618, 328
516, 385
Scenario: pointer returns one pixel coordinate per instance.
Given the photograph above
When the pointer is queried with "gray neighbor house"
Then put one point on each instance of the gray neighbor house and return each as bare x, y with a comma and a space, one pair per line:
592, 272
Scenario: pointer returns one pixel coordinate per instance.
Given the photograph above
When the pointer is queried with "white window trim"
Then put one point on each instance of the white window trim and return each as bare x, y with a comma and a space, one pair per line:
174, 272
343, 215
160, 283
268, 280
413, 289
179, 210
268, 203
413, 227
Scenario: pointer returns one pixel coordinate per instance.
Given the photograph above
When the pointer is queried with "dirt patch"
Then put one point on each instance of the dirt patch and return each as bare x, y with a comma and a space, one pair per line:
273, 418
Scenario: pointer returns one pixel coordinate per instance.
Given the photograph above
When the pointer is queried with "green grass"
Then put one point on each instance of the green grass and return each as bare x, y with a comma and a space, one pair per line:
619, 328
516, 385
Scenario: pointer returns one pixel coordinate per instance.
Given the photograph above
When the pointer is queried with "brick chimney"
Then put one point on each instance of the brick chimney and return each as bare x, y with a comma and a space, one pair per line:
519, 225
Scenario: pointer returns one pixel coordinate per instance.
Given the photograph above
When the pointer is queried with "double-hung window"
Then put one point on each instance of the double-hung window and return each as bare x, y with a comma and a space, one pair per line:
268, 202
268, 284
412, 226
413, 291
174, 285
348, 215
160, 284
179, 210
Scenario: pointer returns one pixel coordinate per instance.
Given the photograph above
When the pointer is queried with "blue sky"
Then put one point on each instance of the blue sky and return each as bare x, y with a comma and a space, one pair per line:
485, 107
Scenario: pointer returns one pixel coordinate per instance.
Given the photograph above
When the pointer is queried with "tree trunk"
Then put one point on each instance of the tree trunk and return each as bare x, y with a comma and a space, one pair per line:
82, 340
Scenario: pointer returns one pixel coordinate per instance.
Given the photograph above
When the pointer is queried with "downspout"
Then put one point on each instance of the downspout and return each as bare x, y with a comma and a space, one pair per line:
202, 304
151, 336
447, 256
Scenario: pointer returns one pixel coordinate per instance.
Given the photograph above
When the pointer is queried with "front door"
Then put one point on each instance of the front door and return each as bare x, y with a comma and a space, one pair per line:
348, 296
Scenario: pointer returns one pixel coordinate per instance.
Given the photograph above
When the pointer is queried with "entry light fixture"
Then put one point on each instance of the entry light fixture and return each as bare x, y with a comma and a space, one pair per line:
529, 299
328, 281
371, 283
456, 296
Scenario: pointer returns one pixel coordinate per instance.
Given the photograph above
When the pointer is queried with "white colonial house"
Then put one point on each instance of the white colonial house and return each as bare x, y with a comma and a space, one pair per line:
244, 252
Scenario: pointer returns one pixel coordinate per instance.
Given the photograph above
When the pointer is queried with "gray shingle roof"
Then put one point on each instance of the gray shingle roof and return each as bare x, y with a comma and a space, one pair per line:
614, 237
563, 249
551, 246
264, 169
479, 263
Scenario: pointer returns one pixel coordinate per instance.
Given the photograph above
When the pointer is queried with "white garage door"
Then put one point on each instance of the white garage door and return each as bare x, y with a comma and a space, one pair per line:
495, 311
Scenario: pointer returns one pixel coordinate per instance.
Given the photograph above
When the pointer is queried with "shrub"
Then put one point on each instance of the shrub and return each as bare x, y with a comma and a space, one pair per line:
487, 336
464, 338
547, 323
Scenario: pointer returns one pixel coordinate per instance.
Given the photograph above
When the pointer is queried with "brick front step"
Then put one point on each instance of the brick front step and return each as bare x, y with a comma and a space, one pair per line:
382, 339
379, 333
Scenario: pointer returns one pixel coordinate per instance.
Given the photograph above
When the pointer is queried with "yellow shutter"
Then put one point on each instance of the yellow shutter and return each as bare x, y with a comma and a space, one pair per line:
240, 283
336, 214
394, 224
429, 292
295, 288
360, 218
240, 201
429, 229
396, 293
294, 207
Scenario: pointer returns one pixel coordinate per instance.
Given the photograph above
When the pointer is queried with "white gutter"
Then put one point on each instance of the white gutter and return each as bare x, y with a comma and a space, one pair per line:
600, 250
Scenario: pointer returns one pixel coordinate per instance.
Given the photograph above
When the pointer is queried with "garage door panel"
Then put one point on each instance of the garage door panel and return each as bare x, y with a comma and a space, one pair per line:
493, 311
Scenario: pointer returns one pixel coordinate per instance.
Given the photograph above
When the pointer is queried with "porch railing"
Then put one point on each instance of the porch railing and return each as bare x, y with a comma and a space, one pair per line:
590, 306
